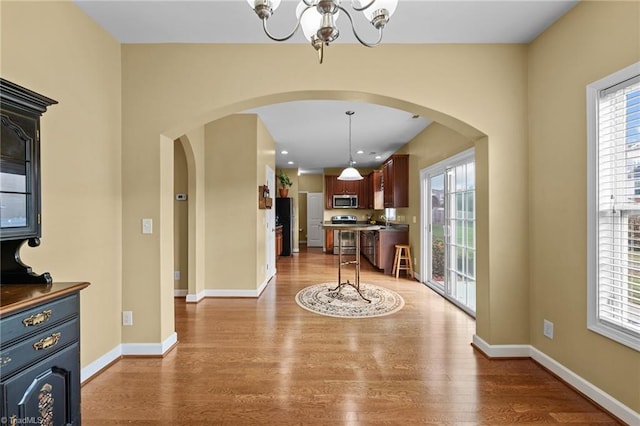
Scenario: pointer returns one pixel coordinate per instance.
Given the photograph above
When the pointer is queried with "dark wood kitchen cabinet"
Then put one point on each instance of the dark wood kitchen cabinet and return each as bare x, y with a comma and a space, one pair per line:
374, 188
385, 241
333, 186
395, 179
40, 353
328, 241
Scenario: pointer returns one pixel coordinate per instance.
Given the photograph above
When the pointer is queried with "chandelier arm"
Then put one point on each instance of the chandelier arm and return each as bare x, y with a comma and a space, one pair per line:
311, 3
360, 9
288, 36
353, 29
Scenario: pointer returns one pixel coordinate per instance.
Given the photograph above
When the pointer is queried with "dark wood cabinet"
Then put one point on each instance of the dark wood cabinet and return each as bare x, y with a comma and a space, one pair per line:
40, 353
328, 241
328, 191
395, 180
333, 186
20, 216
386, 241
278, 240
375, 191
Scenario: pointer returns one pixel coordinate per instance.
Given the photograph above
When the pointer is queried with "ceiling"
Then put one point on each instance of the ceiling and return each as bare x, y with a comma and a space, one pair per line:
315, 133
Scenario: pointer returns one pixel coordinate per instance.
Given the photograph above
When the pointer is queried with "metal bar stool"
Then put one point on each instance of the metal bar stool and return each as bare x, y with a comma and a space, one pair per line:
402, 260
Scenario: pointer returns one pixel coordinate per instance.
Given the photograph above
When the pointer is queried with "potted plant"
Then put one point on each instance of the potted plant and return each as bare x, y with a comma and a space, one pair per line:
285, 183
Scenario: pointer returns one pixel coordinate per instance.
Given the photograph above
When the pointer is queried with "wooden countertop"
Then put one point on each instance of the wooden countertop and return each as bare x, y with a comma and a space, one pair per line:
14, 297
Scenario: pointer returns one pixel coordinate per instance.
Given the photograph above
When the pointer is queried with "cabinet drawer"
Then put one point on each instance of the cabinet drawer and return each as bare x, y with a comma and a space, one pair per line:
23, 353
47, 390
32, 320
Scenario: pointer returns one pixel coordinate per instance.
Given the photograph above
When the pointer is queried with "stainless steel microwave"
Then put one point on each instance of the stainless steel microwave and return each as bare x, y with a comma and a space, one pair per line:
345, 201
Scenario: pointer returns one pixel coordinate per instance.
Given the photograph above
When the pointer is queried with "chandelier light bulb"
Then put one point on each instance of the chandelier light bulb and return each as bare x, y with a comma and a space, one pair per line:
310, 21
274, 3
371, 11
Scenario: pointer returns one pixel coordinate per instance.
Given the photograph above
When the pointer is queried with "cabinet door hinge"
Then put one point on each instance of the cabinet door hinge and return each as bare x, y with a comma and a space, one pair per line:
38, 218
38, 135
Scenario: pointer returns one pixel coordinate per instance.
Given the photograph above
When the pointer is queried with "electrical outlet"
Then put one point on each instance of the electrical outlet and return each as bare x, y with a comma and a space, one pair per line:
127, 318
548, 329
176, 275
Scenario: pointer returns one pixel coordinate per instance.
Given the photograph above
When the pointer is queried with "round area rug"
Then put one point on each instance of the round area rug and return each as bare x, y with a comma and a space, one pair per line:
347, 303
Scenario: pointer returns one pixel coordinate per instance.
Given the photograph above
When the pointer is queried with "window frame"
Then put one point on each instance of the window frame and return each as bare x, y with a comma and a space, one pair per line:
618, 334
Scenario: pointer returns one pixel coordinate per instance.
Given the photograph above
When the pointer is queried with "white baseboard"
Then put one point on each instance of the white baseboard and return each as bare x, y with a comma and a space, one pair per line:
180, 292
150, 349
212, 292
195, 298
123, 349
502, 351
600, 397
417, 277
100, 363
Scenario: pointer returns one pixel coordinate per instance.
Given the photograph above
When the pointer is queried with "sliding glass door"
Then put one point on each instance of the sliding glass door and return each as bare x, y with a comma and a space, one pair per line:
449, 235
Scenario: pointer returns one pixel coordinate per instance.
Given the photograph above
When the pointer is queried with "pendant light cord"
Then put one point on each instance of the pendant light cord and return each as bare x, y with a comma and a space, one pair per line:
350, 113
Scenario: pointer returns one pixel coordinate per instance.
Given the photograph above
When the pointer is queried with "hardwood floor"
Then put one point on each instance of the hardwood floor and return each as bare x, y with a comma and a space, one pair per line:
267, 361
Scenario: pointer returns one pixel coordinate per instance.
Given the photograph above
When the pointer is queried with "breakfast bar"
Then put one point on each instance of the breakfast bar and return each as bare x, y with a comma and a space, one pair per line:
340, 227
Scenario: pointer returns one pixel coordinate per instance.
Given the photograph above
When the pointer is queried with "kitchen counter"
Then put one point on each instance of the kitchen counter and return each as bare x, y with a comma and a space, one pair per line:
352, 226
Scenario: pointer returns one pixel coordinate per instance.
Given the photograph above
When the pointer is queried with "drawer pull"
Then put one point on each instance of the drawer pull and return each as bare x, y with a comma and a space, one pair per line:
47, 342
37, 318
5, 360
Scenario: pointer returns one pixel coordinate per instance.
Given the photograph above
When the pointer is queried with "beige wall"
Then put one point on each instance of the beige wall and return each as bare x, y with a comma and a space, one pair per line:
589, 43
180, 217
53, 49
311, 183
237, 149
193, 147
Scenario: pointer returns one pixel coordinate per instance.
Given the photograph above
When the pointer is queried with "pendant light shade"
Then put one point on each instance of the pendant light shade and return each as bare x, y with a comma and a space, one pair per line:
350, 173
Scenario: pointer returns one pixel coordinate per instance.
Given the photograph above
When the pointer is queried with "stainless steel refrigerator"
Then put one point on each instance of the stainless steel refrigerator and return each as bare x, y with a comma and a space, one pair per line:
284, 217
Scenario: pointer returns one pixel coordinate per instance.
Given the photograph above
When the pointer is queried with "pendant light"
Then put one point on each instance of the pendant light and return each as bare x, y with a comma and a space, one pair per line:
350, 173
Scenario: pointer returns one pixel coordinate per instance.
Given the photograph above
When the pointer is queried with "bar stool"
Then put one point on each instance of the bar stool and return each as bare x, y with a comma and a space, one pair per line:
403, 253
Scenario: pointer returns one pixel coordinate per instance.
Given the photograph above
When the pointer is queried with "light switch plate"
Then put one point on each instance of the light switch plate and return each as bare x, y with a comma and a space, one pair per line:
147, 226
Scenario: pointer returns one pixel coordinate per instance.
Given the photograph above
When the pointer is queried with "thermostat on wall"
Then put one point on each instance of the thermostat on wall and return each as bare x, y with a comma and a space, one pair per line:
181, 197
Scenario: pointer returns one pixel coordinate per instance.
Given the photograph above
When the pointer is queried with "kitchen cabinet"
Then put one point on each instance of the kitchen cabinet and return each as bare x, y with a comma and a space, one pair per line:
363, 194
278, 240
328, 241
40, 353
386, 240
333, 186
395, 180
379, 247
375, 191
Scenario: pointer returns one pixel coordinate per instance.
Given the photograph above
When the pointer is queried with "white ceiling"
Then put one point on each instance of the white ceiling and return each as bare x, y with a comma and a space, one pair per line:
316, 132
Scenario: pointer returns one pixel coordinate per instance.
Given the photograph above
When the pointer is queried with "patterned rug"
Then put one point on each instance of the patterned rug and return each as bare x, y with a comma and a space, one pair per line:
348, 304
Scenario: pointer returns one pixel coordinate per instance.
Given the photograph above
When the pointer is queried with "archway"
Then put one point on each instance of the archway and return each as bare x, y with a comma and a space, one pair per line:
187, 135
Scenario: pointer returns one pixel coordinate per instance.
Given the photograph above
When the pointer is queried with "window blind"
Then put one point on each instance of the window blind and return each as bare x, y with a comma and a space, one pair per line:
618, 203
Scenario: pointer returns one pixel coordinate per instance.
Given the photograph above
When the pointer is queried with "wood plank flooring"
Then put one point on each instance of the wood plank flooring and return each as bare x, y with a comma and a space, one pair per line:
267, 361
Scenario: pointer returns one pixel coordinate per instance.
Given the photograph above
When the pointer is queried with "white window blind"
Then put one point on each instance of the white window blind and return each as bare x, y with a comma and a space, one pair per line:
617, 292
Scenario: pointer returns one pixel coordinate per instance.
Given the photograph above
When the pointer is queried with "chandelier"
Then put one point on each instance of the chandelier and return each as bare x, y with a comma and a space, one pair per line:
350, 172
318, 19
